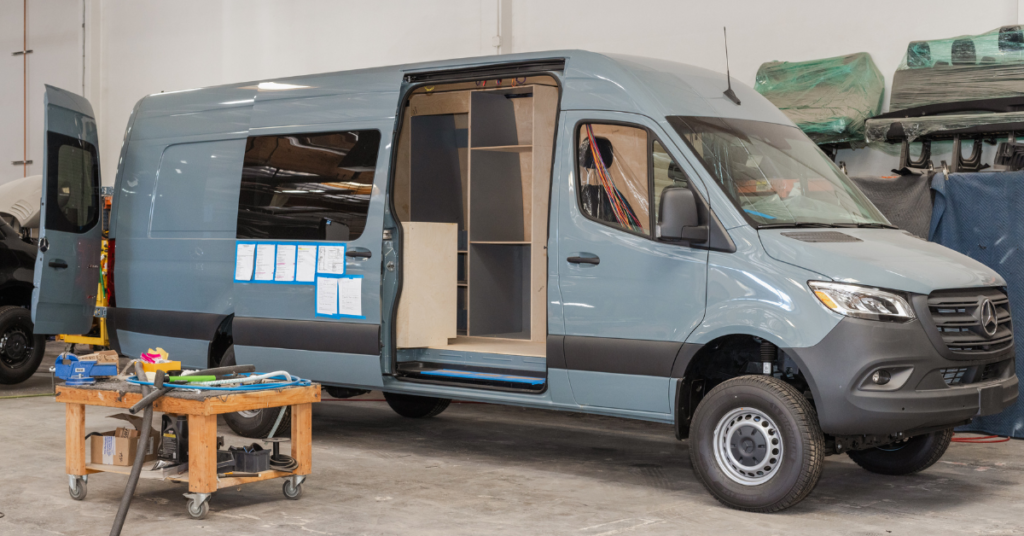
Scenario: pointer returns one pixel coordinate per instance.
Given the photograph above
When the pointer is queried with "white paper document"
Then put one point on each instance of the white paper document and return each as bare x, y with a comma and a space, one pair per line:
350, 296
332, 260
305, 264
265, 262
285, 263
245, 257
326, 296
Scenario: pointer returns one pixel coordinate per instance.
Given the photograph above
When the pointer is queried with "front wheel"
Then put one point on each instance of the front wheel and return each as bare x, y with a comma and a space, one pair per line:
906, 457
21, 351
256, 423
755, 444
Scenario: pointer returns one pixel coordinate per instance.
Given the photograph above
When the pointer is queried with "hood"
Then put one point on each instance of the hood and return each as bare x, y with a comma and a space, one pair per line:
886, 258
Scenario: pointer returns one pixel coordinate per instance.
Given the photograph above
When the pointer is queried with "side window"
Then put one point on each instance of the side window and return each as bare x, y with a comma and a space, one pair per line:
307, 186
72, 182
196, 190
613, 178
666, 175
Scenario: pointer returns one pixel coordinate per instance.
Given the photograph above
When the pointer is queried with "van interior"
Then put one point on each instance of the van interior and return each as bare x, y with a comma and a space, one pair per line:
471, 190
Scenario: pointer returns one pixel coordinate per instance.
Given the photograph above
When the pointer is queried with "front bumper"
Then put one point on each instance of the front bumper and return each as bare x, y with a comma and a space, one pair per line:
839, 368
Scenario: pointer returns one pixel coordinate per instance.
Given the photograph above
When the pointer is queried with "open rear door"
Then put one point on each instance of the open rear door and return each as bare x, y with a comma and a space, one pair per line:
67, 267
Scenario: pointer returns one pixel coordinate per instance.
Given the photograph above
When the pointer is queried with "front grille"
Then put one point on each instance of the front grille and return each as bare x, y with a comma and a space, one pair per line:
957, 315
955, 376
990, 372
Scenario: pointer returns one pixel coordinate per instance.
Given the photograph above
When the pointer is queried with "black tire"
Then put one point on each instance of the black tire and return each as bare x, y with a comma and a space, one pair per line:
256, 423
21, 351
773, 415
416, 407
911, 456
343, 392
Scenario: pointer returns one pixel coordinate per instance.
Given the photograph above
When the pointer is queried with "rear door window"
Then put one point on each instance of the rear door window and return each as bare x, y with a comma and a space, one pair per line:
307, 186
72, 184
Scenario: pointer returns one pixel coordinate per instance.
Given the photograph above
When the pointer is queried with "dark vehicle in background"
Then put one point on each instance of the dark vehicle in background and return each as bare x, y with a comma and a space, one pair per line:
21, 350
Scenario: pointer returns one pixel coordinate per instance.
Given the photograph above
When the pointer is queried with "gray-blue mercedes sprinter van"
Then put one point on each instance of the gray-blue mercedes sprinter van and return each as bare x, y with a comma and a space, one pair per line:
560, 230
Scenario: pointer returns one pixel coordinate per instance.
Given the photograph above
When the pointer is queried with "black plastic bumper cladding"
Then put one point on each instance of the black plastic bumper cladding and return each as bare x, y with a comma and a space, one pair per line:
837, 367
345, 337
181, 325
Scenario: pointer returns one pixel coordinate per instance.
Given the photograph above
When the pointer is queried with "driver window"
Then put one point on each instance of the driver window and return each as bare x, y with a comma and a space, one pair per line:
613, 176
666, 175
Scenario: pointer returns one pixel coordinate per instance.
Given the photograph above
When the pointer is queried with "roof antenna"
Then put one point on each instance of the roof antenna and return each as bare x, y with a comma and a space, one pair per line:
728, 79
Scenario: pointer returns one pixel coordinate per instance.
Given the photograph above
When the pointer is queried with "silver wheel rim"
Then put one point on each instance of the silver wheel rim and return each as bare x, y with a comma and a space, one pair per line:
748, 446
249, 413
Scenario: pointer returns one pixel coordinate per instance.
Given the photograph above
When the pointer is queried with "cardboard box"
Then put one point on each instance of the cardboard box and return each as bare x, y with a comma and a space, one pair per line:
118, 447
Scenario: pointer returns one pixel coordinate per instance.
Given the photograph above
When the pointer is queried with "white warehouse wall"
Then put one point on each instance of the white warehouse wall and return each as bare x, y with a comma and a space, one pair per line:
55, 38
137, 47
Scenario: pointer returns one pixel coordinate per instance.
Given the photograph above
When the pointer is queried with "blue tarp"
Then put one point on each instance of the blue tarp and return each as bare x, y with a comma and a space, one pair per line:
979, 215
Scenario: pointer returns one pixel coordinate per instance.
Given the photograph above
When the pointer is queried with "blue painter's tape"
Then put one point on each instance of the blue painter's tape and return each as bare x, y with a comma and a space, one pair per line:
272, 281
756, 213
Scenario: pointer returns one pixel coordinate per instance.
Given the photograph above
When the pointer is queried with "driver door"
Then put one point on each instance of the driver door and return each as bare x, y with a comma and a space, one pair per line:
67, 270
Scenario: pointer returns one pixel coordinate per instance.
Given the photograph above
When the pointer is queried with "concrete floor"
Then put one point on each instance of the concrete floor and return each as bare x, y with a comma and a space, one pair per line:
481, 469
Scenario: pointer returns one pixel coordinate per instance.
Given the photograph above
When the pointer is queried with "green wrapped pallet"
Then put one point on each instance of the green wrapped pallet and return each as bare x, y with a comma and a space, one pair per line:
829, 99
964, 68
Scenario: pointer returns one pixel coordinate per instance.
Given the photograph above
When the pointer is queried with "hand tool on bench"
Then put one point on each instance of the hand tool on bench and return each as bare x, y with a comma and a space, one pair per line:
164, 389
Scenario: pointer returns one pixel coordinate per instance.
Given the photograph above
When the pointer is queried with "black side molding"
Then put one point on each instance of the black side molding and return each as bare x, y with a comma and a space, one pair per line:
344, 337
619, 356
488, 71
178, 324
556, 352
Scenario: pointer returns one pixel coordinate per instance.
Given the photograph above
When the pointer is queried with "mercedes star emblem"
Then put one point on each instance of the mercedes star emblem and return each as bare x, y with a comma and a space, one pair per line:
988, 318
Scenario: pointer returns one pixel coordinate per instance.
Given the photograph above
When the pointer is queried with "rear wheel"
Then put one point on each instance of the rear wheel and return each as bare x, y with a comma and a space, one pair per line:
21, 351
255, 423
755, 444
416, 407
906, 457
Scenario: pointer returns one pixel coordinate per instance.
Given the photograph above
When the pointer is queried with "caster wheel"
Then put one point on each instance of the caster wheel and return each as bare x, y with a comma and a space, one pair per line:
79, 490
198, 512
291, 491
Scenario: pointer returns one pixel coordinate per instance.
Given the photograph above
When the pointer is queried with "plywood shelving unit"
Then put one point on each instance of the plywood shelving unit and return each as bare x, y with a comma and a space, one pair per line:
505, 172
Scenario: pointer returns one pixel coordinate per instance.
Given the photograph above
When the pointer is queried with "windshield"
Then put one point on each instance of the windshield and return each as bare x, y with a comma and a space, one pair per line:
775, 174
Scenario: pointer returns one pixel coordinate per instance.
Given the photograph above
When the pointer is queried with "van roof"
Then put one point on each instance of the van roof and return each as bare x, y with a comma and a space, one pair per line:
590, 81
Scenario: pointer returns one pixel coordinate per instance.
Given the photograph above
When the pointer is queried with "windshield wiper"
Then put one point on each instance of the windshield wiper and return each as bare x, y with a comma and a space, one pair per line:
794, 224
876, 226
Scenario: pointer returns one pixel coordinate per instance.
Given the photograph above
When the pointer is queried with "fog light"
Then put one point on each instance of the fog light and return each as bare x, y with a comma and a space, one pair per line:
881, 377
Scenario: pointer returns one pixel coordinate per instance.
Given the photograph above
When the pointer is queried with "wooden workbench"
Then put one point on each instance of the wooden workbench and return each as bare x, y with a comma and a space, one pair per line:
202, 410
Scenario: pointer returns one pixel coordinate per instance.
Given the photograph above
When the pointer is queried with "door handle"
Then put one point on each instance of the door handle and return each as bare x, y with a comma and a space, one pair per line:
360, 253
584, 260
58, 264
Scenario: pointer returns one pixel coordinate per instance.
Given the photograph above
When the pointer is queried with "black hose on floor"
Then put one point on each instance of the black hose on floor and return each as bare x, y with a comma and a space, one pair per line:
140, 452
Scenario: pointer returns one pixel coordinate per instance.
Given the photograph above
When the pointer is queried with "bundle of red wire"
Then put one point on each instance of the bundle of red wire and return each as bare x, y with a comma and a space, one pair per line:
980, 439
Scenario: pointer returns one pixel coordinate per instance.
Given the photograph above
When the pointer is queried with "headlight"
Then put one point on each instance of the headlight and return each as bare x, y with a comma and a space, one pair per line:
863, 302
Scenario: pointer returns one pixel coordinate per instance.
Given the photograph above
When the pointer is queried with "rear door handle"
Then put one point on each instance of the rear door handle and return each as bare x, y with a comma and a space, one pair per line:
584, 260
361, 253
58, 264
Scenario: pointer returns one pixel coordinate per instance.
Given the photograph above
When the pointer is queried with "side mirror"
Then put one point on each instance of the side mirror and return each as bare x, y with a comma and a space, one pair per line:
679, 217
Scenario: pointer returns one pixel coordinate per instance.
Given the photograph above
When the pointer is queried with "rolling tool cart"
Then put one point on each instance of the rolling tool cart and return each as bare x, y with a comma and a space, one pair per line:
202, 409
